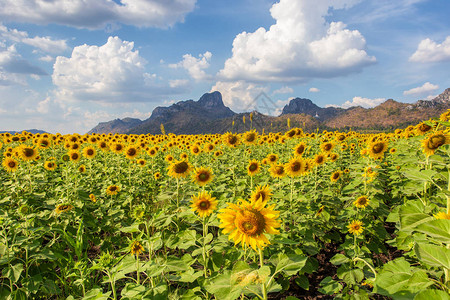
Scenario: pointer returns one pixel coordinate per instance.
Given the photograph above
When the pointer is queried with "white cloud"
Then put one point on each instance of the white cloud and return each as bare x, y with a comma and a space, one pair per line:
113, 72
314, 90
239, 95
360, 101
283, 90
195, 66
178, 83
301, 45
46, 58
421, 90
97, 14
430, 51
45, 44
14, 69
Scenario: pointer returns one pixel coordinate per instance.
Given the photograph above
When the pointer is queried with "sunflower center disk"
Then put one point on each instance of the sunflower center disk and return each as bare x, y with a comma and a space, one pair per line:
28, 152
11, 164
203, 177
250, 222
181, 167
377, 148
436, 141
204, 205
253, 167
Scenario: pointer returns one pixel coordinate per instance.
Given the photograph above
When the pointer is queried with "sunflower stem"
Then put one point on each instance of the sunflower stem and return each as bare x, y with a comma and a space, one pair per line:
205, 258
137, 268
261, 264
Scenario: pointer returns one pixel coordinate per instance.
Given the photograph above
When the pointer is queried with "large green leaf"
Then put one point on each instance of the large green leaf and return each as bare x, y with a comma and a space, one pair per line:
437, 229
433, 255
412, 215
432, 295
289, 264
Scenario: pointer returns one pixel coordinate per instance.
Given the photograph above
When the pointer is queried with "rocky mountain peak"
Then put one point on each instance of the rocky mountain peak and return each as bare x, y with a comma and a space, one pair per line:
300, 105
211, 100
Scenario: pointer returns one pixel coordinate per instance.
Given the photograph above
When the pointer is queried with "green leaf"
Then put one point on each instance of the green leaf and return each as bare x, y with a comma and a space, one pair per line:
133, 291
220, 286
412, 215
303, 282
437, 229
339, 259
432, 294
433, 255
13, 272
329, 286
350, 276
289, 264
132, 228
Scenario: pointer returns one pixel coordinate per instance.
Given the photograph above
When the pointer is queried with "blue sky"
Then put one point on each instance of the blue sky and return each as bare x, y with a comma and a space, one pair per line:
67, 65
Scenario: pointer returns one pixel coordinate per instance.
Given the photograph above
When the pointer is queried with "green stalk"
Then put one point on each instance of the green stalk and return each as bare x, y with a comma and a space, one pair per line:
263, 285
205, 258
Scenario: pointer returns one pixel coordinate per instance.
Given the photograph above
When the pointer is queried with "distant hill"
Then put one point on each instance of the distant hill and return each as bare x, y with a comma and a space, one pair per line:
210, 115
33, 131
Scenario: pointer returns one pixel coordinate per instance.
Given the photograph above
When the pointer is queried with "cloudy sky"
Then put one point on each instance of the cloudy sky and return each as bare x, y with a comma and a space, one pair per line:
66, 65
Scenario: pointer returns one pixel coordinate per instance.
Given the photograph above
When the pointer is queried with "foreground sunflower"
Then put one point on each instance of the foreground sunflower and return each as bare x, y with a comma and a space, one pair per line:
202, 176
376, 149
434, 141
361, 202
136, 248
10, 164
179, 169
253, 167
355, 227
295, 167
249, 222
27, 153
203, 204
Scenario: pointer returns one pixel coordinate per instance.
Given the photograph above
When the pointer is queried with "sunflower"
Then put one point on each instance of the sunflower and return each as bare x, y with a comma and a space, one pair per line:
82, 169
208, 147
335, 176
355, 227
10, 164
141, 162
319, 159
44, 143
250, 137
333, 157
60, 208
422, 128
295, 167
74, 155
376, 149
136, 248
93, 198
434, 141
300, 149
131, 152
195, 150
272, 158
361, 202
179, 169
203, 204
50, 165
112, 190
202, 176
445, 116
248, 222
27, 153
261, 192
277, 171
168, 158
89, 152
230, 139
253, 167
157, 175
327, 147
116, 148
442, 215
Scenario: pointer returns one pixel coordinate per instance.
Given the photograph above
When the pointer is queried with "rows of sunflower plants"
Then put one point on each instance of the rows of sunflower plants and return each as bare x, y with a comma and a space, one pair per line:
289, 215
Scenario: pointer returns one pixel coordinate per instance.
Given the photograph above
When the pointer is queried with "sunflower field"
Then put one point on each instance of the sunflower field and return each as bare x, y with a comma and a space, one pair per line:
294, 215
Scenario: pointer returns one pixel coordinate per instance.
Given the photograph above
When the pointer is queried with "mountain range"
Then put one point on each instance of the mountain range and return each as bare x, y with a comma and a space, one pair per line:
210, 115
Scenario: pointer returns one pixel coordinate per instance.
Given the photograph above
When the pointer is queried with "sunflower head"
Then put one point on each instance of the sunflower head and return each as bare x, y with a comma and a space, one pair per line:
253, 167
327, 147
261, 192
93, 198
248, 222
319, 159
203, 204
376, 149
335, 176
179, 169
250, 137
112, 190
63, 208
355, 227
230, 139
10, 164
300, 149
202, 176
50, 165
442, 215
295, 167
434, 141
89, 152
157, 175
131, 152
27, 153
361, 202
136, 248
74, 155
277, 171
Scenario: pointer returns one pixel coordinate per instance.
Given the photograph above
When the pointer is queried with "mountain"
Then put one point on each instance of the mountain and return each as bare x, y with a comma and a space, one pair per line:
210, 115
116, 126
33, 131
187, 117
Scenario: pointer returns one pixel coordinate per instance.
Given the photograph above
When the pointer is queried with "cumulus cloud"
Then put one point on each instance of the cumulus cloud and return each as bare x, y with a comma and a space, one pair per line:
360, 101
430, 51
301, 45
421, 90
239, 95
113, 72
314, 90
45, 44
283, 90
195, 66
97, 14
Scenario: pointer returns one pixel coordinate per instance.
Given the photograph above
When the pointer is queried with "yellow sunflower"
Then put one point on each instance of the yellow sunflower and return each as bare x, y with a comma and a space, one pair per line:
202, 176
261, 192
253, 167
63, 208
376, 149
50, 165
93, 198
10, 164
136, 248
141, 162
89, 152
335, 176
230, 139
116, 148
327, 147
355, 227
131, 152
272, 158
203, 204
319, 159
442, 215
27, 153
112, 190
422, 128
82, 169
250, 137
361, 202
277, 171
295, 167
74, 155
249, 222
157, 175
179, 169
434, 141
300, 149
